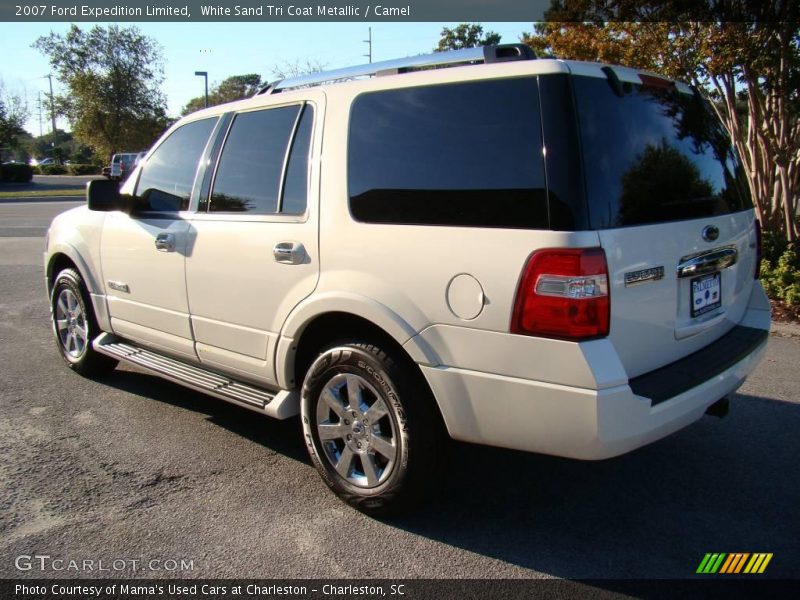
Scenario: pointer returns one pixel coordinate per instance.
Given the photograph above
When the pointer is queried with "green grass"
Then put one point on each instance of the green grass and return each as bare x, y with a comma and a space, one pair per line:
40, 193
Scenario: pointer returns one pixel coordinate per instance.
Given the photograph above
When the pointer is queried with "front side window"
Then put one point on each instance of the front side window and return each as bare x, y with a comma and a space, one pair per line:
465, 154
260, 147
165, 184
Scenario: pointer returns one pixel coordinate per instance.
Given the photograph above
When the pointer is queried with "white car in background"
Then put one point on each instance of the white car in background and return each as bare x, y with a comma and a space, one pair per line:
122, 164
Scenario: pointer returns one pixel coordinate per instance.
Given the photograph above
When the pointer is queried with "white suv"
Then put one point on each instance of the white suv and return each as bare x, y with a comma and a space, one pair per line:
545, 255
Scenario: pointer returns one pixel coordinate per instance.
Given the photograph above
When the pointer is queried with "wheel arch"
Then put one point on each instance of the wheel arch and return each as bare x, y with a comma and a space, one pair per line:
64, 256
333, 316
329, 327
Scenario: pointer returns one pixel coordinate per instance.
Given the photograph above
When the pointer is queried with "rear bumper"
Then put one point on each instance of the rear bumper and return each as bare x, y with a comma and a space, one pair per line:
572, 422
593, 424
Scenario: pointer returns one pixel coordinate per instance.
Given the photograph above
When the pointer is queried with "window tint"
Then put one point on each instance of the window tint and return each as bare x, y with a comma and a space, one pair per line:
165, 184
467, 154
295, 189
251, 164
565, 192
653, 155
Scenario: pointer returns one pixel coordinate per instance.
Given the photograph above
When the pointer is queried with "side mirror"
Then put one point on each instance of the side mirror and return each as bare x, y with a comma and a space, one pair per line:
103, 194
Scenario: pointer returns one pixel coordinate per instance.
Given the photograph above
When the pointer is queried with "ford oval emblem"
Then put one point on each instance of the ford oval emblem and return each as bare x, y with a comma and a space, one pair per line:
710, 233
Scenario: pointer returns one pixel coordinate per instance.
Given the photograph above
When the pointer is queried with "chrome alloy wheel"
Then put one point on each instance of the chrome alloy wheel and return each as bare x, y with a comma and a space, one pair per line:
71, 325
356, 430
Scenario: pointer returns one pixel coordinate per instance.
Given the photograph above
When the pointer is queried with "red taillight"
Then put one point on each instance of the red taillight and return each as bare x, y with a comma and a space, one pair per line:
757, 271
563, 294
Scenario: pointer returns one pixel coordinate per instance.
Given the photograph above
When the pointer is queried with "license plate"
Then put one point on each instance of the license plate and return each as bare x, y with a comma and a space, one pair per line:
706, 294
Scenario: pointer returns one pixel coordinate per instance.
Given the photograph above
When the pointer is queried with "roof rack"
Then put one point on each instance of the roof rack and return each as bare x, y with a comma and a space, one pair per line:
485, 54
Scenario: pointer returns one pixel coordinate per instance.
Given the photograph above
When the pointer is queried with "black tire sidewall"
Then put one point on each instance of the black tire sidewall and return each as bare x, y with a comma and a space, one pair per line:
377, 368
90, 363
67, 279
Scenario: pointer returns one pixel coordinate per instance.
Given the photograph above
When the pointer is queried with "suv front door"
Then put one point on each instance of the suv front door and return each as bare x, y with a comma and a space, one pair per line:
143, 253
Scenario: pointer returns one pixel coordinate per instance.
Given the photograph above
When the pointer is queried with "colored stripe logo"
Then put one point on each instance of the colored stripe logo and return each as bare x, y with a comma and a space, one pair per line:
733, 563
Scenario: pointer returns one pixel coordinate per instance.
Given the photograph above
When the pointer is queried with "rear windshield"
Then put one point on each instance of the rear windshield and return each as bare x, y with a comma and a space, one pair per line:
653, 155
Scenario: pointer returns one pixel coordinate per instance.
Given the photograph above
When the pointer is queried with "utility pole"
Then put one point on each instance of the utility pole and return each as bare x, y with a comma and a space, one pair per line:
52, 109
204, 74
369, 42
41, 128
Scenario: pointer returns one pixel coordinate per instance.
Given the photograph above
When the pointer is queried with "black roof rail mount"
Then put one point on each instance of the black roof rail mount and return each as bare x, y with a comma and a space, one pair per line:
620, 88
507, 52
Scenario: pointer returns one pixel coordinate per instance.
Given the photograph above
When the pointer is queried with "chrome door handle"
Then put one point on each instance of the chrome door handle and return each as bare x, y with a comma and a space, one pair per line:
165, 242
289, 253
708, 262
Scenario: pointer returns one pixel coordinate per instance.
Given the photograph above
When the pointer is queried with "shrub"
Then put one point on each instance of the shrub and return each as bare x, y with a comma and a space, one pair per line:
83, 169
53, 170
781, 277
16, 172
772, 245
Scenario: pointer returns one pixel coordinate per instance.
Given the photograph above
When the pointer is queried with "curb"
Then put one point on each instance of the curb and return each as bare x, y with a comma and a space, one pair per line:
785, 329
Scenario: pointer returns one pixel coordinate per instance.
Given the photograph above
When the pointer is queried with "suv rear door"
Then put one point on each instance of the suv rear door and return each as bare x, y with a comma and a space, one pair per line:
255, 238
666, 193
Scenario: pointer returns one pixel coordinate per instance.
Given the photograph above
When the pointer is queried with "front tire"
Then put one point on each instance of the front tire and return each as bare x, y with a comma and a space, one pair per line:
75, 326
369, 427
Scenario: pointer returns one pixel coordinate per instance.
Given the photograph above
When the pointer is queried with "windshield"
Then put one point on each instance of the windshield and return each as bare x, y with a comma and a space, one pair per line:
654, 154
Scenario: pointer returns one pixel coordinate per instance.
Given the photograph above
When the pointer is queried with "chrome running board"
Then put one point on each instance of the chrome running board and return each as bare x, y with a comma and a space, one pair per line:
280, 405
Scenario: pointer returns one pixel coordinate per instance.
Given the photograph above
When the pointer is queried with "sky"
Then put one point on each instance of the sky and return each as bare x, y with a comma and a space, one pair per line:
225, 49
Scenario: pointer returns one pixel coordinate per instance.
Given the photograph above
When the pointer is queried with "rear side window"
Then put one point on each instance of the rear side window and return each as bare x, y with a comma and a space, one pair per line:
295, 187
165, 183
261, 146
653, 155
466, 154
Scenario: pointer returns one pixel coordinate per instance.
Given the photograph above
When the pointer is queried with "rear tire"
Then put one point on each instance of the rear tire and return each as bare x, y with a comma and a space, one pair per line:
370, 427
75, 326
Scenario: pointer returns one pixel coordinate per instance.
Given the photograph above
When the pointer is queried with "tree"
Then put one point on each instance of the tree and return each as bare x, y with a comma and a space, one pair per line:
238, 87
466, 35
13, 114
233, 88
296, 68
742, 61
113, 75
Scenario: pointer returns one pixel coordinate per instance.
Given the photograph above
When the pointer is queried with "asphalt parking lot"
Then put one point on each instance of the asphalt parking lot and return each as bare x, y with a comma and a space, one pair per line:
133, 467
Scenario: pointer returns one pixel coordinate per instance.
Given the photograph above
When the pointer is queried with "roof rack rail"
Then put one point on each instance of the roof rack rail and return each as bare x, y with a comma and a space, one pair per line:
485, 54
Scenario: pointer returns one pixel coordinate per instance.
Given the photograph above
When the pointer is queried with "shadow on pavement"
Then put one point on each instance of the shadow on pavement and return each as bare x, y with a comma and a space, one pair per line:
281, 436
724, 485
721, 485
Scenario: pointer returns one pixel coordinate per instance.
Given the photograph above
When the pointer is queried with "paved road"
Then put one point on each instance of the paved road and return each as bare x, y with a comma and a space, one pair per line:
31, 218
134, 467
